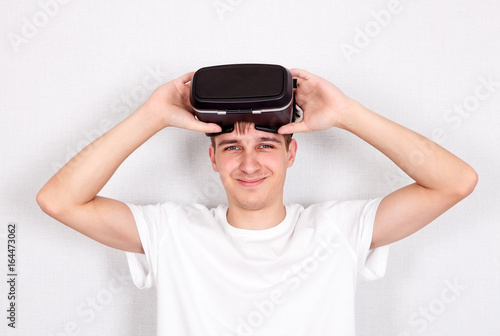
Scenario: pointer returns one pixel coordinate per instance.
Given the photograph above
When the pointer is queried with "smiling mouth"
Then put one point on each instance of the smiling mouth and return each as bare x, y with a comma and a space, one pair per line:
251, 183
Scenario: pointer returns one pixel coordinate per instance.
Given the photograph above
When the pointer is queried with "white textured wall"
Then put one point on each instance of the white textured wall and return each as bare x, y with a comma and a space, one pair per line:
69, 70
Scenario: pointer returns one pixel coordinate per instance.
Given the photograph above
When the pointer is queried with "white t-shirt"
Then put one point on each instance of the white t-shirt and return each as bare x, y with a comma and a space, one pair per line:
296, 278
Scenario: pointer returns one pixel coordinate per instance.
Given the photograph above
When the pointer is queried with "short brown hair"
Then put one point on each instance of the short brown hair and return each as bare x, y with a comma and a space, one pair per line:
241, 127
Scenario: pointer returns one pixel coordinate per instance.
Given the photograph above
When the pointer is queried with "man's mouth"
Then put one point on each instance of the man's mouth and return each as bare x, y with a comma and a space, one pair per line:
251, 183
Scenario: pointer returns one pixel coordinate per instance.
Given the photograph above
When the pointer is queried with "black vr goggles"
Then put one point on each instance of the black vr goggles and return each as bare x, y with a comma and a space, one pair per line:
259, 93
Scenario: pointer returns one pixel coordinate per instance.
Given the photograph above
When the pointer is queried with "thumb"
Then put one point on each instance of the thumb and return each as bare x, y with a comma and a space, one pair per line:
201, 126
294, 127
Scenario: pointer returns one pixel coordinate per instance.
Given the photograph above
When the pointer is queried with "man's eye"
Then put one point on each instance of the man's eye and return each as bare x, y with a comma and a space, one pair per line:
231, 148
266, 146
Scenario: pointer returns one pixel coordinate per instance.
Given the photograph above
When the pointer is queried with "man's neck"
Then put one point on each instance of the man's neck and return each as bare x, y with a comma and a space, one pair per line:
261, 219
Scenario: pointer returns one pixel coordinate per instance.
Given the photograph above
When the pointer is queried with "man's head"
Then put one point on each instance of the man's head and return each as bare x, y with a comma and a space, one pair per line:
252, 165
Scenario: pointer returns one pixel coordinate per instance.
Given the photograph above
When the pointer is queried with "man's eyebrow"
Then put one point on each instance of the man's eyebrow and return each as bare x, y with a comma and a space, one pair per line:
259, 139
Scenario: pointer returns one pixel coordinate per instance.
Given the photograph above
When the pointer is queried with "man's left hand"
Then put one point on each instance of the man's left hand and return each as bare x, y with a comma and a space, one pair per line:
323, 104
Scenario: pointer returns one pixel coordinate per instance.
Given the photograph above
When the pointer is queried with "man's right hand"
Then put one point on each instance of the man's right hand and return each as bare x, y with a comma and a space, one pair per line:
171, 100
70, 196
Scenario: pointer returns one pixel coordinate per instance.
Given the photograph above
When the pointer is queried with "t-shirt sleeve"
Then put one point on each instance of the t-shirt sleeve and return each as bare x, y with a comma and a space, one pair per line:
371, 263
355, 220
152, 224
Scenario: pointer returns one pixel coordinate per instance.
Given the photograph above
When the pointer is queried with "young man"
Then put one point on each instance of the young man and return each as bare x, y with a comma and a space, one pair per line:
256, 266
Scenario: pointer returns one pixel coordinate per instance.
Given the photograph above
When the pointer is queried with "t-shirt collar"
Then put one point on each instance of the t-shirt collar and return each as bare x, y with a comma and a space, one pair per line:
261, 234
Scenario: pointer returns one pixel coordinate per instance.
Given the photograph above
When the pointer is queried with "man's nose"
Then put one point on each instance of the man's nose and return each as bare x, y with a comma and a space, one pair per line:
249, 162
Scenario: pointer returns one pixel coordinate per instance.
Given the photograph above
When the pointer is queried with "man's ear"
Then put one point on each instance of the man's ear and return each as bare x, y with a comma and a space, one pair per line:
292, 151
211, 153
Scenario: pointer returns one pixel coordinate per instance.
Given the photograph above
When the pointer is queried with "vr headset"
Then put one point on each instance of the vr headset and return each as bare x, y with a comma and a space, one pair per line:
259, 93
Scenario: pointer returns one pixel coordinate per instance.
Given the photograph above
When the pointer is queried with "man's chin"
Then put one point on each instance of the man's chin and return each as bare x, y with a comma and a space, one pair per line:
251, 204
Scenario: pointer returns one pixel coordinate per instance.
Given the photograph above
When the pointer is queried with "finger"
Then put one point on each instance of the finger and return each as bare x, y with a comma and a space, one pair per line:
294, 127
300, 73
201, 126
186, 77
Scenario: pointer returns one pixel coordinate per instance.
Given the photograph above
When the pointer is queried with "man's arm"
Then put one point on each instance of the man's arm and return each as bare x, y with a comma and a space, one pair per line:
70, 196
441, 178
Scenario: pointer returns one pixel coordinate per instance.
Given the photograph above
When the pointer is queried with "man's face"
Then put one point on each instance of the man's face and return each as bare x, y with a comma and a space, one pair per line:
252, 166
